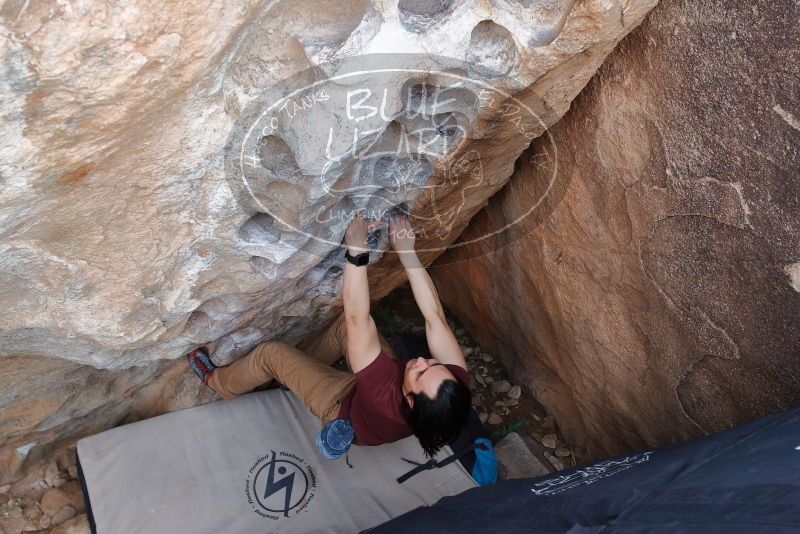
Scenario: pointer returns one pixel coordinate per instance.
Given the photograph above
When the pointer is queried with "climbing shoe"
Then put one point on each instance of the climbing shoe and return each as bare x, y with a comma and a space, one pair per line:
201, 364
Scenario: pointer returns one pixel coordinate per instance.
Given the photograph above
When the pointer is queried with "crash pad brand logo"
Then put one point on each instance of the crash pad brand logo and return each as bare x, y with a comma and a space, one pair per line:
589, 475
280, 485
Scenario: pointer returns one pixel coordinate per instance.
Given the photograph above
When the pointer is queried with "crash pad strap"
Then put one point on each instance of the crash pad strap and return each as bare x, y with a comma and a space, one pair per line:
433, 464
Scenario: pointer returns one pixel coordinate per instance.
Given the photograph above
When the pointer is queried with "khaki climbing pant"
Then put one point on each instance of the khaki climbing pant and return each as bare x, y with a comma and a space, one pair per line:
306, 370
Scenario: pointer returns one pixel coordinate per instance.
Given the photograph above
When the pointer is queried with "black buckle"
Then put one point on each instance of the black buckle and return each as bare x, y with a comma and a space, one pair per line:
433, 464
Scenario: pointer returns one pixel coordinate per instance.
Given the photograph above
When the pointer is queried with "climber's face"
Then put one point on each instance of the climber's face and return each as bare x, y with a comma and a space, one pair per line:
424, 375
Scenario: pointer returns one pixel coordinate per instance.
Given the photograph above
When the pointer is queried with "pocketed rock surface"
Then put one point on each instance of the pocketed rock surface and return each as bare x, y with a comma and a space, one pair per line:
127, 235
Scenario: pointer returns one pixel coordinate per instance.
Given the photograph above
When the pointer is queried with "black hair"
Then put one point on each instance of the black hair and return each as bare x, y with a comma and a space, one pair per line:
438, 421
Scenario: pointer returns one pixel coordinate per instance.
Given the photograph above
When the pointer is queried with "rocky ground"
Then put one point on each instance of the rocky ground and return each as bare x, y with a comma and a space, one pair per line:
503, 406
48, 499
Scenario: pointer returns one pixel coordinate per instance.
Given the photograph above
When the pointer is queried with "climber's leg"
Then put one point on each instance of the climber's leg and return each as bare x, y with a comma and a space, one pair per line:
330, 344
248, 372
319, 386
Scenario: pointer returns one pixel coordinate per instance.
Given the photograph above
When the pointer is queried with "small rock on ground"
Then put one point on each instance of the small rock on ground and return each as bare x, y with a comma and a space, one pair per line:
53, 500
518, 456
501, 386
495, 419
550, 441
555, 462
66, 513
52, 476
76, 525
515, 392
563, 452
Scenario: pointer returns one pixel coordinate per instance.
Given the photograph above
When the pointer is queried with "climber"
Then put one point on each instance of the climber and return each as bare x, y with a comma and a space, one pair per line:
382, 398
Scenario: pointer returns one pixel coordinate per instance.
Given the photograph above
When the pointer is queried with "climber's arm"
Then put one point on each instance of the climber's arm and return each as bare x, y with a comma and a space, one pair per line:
363, 343
441, 341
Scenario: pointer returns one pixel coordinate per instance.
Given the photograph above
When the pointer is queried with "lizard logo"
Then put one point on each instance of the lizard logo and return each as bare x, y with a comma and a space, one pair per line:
379, 134
280, 485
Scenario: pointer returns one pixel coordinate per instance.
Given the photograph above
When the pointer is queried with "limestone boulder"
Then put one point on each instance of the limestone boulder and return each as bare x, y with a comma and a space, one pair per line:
181, 174
647, 291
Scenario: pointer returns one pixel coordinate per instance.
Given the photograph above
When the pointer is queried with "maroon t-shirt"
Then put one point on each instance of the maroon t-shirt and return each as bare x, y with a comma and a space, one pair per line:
375, 406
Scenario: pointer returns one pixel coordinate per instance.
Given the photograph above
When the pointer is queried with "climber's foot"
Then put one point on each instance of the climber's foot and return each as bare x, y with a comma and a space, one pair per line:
201, 364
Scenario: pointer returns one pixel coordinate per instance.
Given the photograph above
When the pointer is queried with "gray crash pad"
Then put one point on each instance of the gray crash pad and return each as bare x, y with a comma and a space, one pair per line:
249, 465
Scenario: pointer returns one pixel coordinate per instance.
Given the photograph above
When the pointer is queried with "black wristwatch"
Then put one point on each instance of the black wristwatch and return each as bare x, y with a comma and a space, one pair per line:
358, 260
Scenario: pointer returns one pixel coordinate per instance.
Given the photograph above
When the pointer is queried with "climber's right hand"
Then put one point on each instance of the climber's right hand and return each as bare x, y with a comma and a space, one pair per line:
355, 237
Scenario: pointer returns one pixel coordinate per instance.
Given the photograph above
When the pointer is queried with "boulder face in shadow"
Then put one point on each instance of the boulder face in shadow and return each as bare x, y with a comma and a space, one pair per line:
649, 288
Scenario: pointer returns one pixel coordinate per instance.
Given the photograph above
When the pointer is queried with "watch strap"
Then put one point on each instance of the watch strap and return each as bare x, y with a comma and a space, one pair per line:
359, 260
